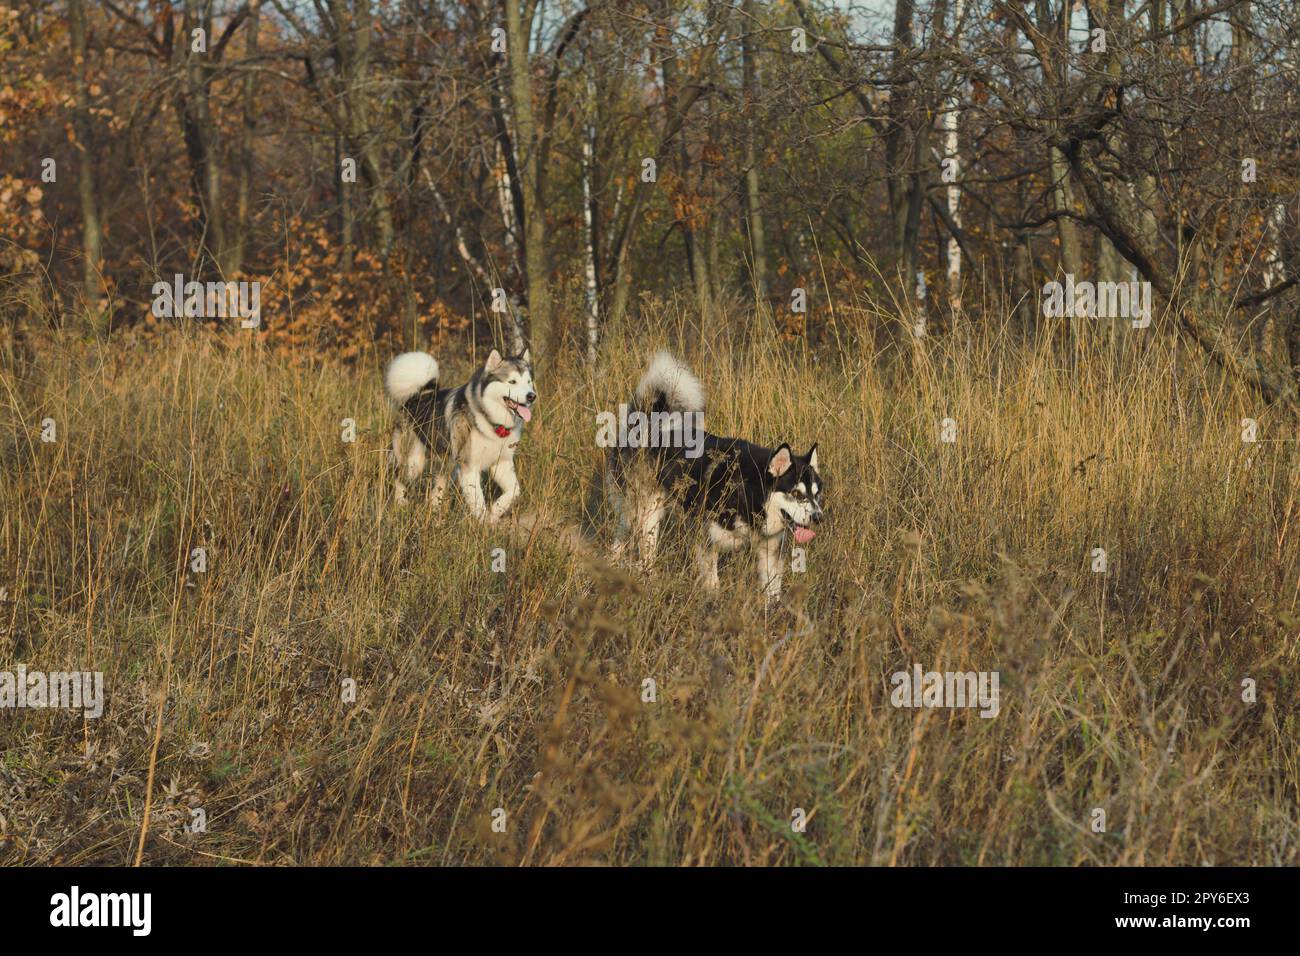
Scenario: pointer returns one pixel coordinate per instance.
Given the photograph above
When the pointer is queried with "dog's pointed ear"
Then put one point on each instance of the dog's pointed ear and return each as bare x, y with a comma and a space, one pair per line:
493, 360
779, 463
812, 457
527, 356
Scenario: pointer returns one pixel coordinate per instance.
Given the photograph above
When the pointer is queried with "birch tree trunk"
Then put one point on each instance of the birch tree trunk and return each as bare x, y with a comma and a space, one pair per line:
952, 150
519, 21
589, 225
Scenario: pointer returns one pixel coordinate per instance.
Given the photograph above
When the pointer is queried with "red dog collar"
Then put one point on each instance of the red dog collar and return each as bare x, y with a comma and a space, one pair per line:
502, 431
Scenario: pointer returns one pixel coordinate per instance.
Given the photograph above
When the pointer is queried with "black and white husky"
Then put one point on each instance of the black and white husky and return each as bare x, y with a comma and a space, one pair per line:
735, 494
474, 428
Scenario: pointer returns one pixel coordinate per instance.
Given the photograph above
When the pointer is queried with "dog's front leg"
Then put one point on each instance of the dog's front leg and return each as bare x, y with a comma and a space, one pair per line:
650, 513
619, 505
770, 566
471, 487
706, 559
503, 475
437, 489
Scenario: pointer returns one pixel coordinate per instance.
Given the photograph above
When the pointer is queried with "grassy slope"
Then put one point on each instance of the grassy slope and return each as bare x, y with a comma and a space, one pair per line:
522, 690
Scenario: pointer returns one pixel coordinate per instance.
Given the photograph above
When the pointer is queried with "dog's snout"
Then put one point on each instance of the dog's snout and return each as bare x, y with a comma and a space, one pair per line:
532, 397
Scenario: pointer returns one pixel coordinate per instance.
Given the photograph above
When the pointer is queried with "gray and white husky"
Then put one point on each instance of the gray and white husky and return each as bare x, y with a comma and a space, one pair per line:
473, 428
735, 494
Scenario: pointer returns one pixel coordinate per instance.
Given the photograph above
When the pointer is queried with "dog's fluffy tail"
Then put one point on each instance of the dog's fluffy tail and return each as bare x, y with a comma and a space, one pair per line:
409, 374
669, 386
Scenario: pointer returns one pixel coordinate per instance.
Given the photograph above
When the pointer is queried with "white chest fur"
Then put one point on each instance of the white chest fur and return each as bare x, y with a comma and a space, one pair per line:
730, 539
483, 452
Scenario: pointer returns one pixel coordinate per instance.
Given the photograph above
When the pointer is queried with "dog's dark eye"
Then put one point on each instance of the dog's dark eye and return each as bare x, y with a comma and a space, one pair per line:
797, 495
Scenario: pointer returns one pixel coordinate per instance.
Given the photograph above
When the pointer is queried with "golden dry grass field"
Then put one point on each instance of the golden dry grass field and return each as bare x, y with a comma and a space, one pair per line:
516, 696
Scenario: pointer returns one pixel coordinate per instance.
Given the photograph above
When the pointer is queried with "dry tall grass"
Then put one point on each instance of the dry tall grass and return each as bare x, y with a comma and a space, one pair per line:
523, 690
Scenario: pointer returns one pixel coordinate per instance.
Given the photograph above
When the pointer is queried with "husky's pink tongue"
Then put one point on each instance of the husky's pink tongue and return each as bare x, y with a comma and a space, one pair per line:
804, 535
525, 412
